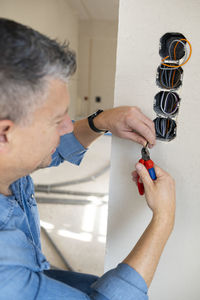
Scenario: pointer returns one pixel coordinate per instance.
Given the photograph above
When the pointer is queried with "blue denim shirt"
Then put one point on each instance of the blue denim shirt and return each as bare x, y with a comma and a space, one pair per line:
22, 262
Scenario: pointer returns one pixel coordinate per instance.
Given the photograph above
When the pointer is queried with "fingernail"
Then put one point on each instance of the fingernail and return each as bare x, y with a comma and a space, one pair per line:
139, 167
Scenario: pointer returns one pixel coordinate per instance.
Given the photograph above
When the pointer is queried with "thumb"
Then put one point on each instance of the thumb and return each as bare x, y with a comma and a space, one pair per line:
159, 172
144, 174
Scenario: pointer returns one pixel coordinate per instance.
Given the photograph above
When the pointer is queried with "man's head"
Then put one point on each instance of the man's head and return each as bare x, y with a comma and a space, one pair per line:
33, 74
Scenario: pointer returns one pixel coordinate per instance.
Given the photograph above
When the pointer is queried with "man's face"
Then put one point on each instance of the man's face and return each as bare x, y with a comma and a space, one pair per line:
35, 143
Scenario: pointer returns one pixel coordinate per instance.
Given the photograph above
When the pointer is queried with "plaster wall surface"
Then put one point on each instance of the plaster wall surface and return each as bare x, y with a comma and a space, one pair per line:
141, 24
53, 18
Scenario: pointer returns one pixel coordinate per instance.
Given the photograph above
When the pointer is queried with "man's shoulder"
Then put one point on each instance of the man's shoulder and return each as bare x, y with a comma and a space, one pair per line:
22, 189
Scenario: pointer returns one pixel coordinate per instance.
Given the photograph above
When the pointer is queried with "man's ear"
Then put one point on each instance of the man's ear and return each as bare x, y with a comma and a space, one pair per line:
5, 128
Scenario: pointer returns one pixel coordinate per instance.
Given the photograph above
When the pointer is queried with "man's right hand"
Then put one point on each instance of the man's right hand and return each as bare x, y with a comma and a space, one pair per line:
160, 194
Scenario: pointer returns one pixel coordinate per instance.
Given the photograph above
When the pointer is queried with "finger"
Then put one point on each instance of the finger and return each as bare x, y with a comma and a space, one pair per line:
150, 146
134, 180
143, 130
134, 173
144, 175
148, 122
134, 176
159, 171
133, 136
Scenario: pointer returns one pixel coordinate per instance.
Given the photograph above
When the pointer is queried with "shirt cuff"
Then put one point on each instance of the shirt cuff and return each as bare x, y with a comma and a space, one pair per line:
122, 283
71, 149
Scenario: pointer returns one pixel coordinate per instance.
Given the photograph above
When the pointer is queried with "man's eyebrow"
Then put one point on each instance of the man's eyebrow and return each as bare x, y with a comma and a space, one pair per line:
61, 115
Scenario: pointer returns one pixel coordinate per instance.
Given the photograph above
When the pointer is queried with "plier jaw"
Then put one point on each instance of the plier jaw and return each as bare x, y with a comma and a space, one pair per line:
145, 153
149, 164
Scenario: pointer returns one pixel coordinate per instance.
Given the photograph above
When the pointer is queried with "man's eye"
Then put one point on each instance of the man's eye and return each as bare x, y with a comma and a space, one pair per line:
58, 122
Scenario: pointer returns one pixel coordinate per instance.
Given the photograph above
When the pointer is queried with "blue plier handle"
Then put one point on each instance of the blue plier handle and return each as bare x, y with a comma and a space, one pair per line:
149, 164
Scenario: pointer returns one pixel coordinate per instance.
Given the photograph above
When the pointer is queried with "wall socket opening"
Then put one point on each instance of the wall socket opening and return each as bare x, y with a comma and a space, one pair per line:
165, 128
166, 103
168, 43
169, 78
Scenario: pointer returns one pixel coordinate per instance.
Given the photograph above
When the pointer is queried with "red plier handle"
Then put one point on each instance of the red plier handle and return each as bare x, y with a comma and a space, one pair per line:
149, 164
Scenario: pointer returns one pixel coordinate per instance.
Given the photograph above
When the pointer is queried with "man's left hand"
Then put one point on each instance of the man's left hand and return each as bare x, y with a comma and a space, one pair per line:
128, 122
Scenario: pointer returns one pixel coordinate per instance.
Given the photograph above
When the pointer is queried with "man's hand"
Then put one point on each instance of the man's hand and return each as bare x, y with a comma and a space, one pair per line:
127, 122
160, 194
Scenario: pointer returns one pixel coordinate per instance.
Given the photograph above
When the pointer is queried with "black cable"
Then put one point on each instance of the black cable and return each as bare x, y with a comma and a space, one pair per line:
63, 192
67, 265
49, 187
47, 200
165, 128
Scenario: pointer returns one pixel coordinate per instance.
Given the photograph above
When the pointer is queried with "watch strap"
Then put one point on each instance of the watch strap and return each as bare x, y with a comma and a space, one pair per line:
91, 123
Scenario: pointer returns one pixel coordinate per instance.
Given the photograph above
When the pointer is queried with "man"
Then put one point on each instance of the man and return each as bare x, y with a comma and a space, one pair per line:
36, 132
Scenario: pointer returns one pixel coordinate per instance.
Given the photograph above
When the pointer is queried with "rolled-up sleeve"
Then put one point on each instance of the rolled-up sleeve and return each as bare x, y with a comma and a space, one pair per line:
120, 283
69, 149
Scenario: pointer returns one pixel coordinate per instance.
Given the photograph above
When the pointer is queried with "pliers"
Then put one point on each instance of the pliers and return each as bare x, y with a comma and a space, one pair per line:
149, 164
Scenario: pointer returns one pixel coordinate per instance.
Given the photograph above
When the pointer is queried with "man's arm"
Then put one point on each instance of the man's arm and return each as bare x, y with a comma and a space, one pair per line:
160, 196
84, 134
126, 281
124, 121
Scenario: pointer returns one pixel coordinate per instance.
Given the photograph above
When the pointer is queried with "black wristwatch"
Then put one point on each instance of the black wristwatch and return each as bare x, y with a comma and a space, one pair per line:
91, 123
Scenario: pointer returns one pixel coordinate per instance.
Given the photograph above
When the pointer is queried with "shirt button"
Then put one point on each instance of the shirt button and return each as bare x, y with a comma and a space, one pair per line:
32, 196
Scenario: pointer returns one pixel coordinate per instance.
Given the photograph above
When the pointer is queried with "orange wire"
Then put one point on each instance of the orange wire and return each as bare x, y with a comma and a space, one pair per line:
173, 66
167, 126
174, 59
175, 49
174, 106
173, 78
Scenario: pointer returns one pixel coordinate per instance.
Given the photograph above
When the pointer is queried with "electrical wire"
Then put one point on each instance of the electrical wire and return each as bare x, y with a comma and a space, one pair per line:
185, 59
170, 77
169, 103
67, 265
167, 72
64, 201
186, 55
185, 50
165, 128
66, 192
49, 187
167, 79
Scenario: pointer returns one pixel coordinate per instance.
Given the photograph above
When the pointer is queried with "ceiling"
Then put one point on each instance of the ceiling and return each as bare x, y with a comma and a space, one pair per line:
95, 9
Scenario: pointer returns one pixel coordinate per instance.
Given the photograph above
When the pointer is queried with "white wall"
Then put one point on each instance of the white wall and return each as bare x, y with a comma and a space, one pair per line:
97, 60
53, 18
141, 24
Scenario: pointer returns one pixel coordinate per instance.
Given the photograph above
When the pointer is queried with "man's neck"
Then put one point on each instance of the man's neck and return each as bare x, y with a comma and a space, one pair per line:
9, 174
5, 190
6, 180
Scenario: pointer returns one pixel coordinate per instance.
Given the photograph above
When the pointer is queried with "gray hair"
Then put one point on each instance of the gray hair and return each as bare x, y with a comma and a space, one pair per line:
28, 59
